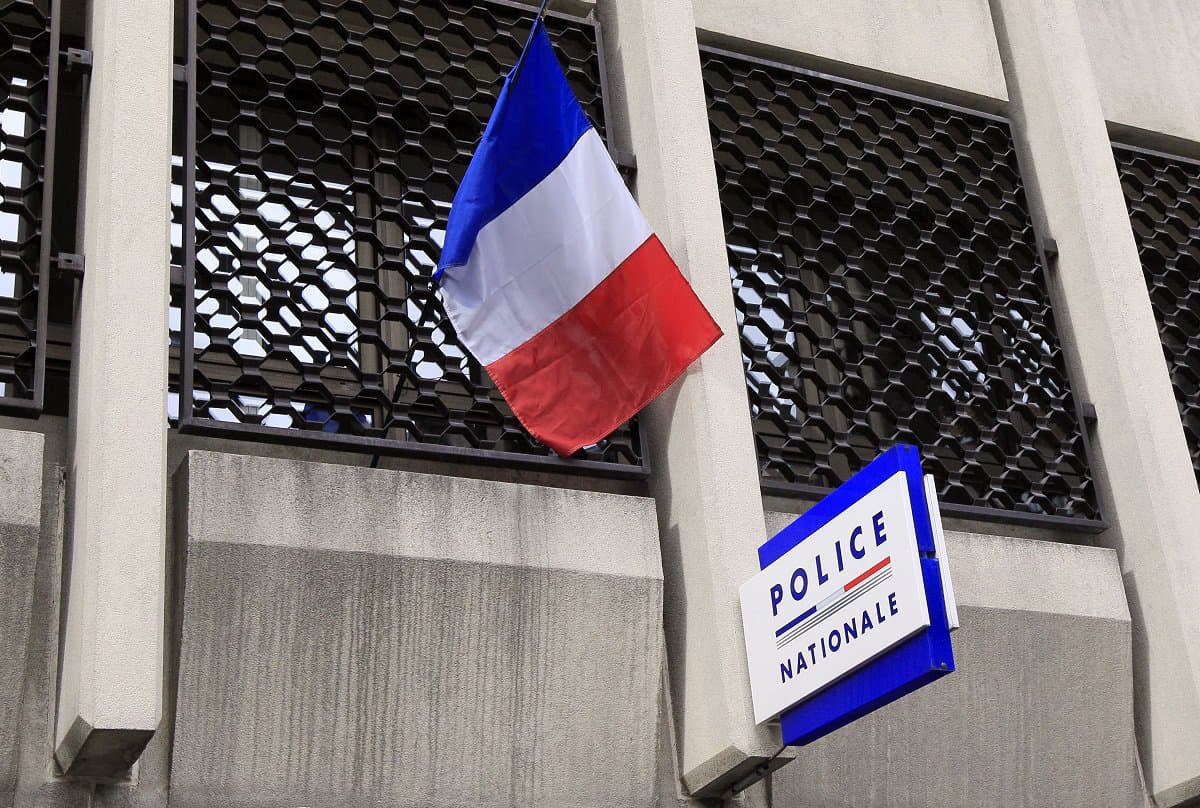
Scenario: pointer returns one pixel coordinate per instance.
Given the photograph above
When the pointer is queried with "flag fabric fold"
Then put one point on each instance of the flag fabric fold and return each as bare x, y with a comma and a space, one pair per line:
552, 277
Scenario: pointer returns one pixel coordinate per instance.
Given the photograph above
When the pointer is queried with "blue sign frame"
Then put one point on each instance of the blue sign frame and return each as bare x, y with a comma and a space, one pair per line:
922, 658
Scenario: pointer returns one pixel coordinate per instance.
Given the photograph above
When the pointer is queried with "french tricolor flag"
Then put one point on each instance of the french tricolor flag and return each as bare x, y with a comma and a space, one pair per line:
551, 275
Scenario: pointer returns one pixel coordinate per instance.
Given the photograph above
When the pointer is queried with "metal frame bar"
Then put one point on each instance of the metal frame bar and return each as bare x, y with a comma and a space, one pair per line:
409, 449
1156, 153
1084, 423
187, 316
33, 407
189, 424
845, 82
602, 68
976, 512
532, 8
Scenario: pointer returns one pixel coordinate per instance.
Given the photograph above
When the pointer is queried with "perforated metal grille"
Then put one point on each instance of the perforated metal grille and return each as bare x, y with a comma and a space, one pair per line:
330, 141
1163, 194
24, 90
888, 289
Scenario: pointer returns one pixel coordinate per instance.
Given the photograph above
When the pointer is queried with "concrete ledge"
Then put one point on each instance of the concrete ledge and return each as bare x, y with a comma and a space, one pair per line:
1039, 712
998, 572
242, 499
362, 637
731, 770
94, 753
21, 455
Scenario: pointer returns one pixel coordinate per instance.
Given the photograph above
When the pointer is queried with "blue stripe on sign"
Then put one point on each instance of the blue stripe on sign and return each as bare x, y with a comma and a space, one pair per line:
535, 124
790, 623
837, 604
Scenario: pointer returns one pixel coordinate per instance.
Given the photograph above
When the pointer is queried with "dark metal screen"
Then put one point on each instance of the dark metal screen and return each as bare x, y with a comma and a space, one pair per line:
327, 142
28, 77
889, 288
1163, 194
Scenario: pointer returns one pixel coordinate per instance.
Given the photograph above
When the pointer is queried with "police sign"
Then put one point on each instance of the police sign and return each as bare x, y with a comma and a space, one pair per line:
852, 608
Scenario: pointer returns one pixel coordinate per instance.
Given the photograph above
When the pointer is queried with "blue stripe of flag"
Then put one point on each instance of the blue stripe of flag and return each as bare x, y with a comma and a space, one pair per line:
534, 126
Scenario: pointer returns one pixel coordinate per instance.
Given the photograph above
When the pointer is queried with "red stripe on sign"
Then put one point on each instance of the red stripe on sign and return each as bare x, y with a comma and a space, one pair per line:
611, 354
887, 560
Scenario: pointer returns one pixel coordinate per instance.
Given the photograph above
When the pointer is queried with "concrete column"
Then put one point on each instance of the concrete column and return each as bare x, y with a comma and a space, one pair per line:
705, 469
1145, 476
110, 691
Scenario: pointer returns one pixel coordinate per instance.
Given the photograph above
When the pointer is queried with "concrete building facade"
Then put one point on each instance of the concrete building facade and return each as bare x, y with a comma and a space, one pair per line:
269, 538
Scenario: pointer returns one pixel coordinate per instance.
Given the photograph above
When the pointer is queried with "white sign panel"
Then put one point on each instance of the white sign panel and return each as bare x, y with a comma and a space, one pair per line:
839, 598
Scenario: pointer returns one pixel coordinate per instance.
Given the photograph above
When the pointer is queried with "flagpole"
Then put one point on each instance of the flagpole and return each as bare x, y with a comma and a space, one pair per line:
541, 12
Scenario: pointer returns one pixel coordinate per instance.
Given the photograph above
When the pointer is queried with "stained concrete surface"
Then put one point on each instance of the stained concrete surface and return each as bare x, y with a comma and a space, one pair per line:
20, 521
1039, 711
359, 637
1036, 714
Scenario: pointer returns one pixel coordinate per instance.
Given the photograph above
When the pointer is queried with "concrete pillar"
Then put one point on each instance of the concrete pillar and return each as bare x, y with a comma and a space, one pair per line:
705, 472
110, 689
1145, 476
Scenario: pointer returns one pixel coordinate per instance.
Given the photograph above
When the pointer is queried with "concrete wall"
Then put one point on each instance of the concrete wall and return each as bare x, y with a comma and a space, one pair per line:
354, 637
32, 781
20, 523
944, 47
343, 636
327, 610
1039, 711
1146, 57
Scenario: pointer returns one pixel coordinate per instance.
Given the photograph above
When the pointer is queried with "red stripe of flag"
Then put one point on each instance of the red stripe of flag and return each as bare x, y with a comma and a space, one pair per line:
887, 560
611, 354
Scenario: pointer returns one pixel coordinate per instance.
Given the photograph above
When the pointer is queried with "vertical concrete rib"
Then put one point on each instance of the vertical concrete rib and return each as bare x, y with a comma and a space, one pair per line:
705, 470
110, 689
1143, 468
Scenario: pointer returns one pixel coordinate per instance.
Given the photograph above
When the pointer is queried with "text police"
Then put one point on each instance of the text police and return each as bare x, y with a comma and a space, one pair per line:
800, 577
866, 616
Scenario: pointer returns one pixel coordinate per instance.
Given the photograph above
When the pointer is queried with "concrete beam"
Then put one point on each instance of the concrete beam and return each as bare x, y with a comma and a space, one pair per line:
705, 469
110, 689
1142, 466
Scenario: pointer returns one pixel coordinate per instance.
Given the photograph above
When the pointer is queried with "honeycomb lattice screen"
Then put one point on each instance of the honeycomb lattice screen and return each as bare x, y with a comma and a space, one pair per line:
330, 138
888, 289
24, 104
1163, 194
